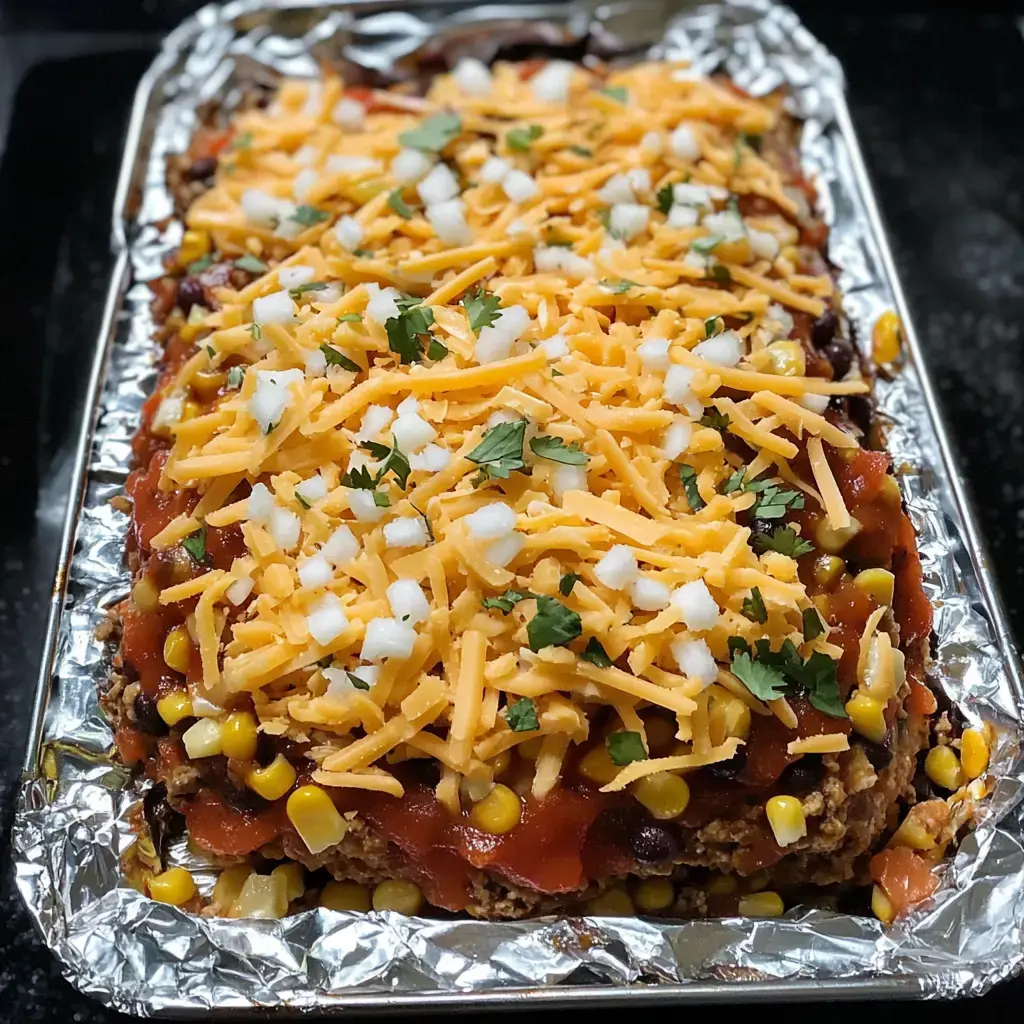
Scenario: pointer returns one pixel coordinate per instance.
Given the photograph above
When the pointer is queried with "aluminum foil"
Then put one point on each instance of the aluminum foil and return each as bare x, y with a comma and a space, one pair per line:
72, 822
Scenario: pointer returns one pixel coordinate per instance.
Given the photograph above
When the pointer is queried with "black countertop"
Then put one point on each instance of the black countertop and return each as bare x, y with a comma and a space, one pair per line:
938, 101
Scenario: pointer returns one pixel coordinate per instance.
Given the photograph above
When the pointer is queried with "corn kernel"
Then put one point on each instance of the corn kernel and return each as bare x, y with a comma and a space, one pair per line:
867, 716
721, 885
596, 766
228, 886
146, 595
833, 541
942, 766
660, 733
194, 245
787, 819
190, 409
202, 739
345, 896
181, 565
263, 897
611, 903
361, 191
881, 907
206, 383
665, 795
735, 251
787, 358
761, 904
973, 753
728, 717
886, 338
758, 881
890, 491
912, 833
654, 894
239, 736
178, 649
174, 886
500, 762
498, 812
292, 879
175, 706
878, 584
273, 781
315, 817
398, 895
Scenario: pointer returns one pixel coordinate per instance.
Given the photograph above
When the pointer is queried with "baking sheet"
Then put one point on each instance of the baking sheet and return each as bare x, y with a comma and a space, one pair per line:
71, 824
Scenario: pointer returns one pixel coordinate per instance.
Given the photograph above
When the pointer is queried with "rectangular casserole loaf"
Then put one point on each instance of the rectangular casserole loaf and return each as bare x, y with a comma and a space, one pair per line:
509, 529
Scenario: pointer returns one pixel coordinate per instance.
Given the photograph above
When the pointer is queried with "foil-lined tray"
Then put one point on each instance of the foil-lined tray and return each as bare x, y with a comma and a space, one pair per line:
72, 823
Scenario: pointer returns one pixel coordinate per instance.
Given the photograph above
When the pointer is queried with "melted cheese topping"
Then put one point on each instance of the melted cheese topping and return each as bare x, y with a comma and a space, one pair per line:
610, 247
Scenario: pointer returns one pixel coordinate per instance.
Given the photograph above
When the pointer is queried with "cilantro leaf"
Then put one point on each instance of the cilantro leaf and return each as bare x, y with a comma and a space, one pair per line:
595, 653
394, 461
254, 330
773, 502
822, 686
199, 265
482, 308
716, 420
310, 286
398, 204
706, 244
713, 325
358, 478
625, 747
618, 287
764, 681
404, 332
522, 716
566, 583
519, 139
381, 500
356, 681
500, 450
336, 358
785, 540
436, 350
581, 151
251, 264
619, 93
753, 606
504, 603
433, 134
754, 141
813, 626
243, 140
235, 376
350, 318
195, 545
689, 477
307, 216
666, 197
737, 645
554, 625
554, 449
718, 272
735, 482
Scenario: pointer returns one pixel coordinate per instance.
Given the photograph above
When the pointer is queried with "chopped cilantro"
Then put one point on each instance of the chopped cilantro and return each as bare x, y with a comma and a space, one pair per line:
718, 272
764, 681
595, 653
307, 216
735, 482
713, 325
813, 626
706, 244
522, 716
391, 459
553, 626
557, 373
618, 287
302, 501
785, 540
404, 331
359, 479
753, 607
211, 351
254, 330
336, 358
363, 253
235, 377
688, 475
398, 204
554, 449
666, 197
381, 500
566, 583
500, 450
195, 545
581, 151
716, 420
310, 286
436, 350
619, 93
243, 140
251, 264
519, 139
504, 603
356, 681
350, 318
822, 686
199, 265
625, 747
773, 501
482, 308
433, 134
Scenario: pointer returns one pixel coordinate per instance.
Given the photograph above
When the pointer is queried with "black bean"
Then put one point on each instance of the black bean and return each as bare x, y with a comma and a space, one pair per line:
244, 800
880, 754
266, 749
203, 168
190, 293
731, 768
802, 775
823, 330
147, 717
840, 355
653, 844
163, 821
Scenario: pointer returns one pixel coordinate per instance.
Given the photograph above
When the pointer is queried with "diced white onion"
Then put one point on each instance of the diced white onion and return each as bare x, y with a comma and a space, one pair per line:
473, 77
305, 155
405, 532
695, 660
558, 257
261, 504
304, 181
502, 551
293, 277
687, 193
816, 403
363, 507
555, 347
568, 478
698, 607
326, 620
275, 308
616, 190
314, 100
261, 208
519, 186
338, 164
202, 738
677, 386
495, 341
491, 522
316, 363
410, 165
349, 232
494, 170
677, 438
169, 412
518, 227
239, 590
653, 143
618, 568
412, 432
627, 220
349, 113
727, 224
448, 219
440, 184
783, 317
433, 459
551, 84
284, 528
272, 396
340, 685
408, 602
315, 572
375, 419
653, 354
683, 217
341, 546
764, 244
684, 144
382, 305
725, 349
648, 595
407, 406
312, 489
695, 261
387, 638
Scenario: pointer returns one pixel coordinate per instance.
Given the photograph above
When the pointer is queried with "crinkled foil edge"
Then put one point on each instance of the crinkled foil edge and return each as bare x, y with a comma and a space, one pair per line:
72, 825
